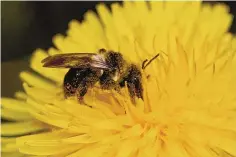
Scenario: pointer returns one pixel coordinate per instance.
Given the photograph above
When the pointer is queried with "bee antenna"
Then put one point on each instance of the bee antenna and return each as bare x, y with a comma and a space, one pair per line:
143, 64
153, 44
150, 61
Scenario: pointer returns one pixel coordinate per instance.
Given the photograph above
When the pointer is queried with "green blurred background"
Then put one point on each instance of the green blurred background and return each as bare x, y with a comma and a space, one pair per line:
27, 25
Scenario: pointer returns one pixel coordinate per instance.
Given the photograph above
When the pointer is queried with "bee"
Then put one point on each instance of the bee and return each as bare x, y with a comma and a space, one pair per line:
108, 68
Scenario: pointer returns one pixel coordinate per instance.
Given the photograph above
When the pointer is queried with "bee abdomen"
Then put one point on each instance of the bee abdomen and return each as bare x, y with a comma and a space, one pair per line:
78, 80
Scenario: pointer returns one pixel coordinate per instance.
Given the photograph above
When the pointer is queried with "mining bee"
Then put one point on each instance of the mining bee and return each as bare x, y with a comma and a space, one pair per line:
106, 67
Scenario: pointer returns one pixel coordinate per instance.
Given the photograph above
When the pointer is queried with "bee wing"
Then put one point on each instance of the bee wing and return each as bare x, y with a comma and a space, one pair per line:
74, 60
99, 62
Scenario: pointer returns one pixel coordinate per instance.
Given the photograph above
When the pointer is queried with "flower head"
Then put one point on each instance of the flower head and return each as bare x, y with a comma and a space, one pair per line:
189, 100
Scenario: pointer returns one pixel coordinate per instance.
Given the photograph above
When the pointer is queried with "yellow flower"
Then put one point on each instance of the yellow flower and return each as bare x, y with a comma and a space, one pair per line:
189, 91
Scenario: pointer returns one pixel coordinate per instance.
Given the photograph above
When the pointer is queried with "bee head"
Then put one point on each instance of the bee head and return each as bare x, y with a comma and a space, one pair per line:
115, 61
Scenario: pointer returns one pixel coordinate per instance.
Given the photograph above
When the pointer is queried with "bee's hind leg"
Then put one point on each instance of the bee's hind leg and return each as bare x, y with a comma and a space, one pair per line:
68, 90
83, 87
81, 91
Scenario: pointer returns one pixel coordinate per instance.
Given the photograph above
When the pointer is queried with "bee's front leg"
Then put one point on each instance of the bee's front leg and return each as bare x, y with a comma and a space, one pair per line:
134, 82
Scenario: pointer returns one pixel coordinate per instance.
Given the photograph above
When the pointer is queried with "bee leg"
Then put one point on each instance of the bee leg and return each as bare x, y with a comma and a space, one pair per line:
88, 82
122, 82
81, 91
108, 83
68, 90
135, 89
134, 82
131, 89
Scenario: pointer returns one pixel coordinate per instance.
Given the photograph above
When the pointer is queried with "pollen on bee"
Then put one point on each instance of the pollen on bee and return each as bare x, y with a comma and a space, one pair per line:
101, 71
116, 77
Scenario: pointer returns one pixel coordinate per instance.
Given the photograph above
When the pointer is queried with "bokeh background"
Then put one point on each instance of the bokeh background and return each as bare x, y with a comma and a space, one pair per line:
27, 25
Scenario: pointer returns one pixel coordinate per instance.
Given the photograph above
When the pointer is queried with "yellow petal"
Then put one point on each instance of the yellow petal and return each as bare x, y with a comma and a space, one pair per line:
15, 105
34, 144
36, 81
15, 115
20, 128
12, 154
8, 144
21, 95
127, 148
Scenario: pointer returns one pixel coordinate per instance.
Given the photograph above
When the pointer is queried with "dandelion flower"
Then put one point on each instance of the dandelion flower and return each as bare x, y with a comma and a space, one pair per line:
189, 101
